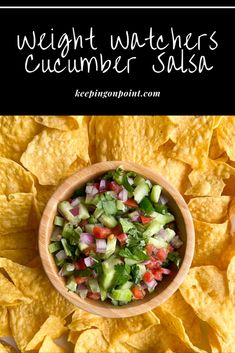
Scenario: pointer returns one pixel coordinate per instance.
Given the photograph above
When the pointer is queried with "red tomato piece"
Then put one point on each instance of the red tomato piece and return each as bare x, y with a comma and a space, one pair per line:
83, 223
146, 220
80, 280
122, 238
170, 248
114, 187
101, 232
154, 263
162, 254
117, 230
88, 250
157, 273
131, 203
148, 277
150, 249
137, 293
80, 264
97, 185
94, 296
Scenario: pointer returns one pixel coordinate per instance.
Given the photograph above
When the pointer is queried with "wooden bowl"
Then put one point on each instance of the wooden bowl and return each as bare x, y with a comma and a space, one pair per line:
165, 288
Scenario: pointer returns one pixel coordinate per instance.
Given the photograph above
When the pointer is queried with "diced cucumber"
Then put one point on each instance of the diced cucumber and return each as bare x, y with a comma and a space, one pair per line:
98, 212
111, 247
109, 207
170, 234
103, 293
138, 180
161, 208
152, 229
162, 218
88, 199
155, 193
66, 247
92, 220
121, 206
64, 208
71, 284
67, 230
69, 267
59, 221
83, 212
93, 284
110, 263
89, 228
107, 277
141, 191
126, 285
122, 295
146, 205
53, 247
108, 221
158, 243
82, 246
131, 262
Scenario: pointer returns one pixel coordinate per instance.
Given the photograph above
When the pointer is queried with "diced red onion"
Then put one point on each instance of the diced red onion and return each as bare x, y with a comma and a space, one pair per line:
75, 202
61, 255
232, 221
94, 191
163, 200
86, 238
101, 245
94, 274
74, 211
152, 284
135, 217
89, 261
146, 262
130, 180
103, 185
82, 290
89, 189
176, 242
162, 234
61, 272
149, 183
165, 271
144, 285
123, 195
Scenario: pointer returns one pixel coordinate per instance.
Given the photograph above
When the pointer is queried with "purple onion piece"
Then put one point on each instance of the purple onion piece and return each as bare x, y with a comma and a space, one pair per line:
82, 290
74, 211
103, 185
61, 272
75, 202
61, 255
123, 195
163, 200
89, 261
101, 245
176, 242
86, 238
89, 189
130, 180
151, 285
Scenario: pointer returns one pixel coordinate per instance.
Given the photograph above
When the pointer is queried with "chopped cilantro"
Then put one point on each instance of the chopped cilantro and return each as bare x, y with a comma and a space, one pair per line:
122, 274
136, 254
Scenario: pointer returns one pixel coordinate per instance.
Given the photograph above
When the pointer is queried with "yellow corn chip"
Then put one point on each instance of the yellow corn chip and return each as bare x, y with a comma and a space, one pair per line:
215, 150
226, 136
17, 213
205, 289
21, 256
91, 341
44, 192
50, 154
181, 123
15, 134
49, 346
58, 122
132, 138
6, 348
229, 188
193, 144
76, 166
210, 209
52, 327
73, 336
9, 294
231, 278
218, 345
207, 180
19, 240
211, 241
4, 322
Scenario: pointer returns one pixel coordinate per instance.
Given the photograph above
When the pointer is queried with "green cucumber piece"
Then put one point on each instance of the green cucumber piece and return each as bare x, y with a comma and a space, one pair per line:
53, 247
138, 180
152, 229
59, 221
109, 207
93, 284
83, 212
158, 243
98, 212
66, 247
126, 285
162, 218
108, 221
71, 284
140, 192
111, 247
155, 193
124, 295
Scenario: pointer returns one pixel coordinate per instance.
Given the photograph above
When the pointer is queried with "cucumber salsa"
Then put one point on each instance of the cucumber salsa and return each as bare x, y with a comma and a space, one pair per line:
115, 239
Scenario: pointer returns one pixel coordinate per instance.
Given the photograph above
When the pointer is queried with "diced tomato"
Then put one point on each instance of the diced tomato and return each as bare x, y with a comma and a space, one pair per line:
165, 271
137, 293
95, 296
150, 249
114, 187
88, 250
146, 220
83, 223
148, 277
117, 230
101, 232
154, 263
122, 238
131, 203
80, 264
80, 280
157, 273
97, 185
170, 248
162, 254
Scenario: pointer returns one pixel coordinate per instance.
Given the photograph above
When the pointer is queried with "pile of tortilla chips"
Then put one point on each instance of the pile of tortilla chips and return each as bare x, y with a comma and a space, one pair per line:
196, 154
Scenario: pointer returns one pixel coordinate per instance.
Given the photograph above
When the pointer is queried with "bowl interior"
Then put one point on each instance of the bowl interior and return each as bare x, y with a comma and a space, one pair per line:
165, 288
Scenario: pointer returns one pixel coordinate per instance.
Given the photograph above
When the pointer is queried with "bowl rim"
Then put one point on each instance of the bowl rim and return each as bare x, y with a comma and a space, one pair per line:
88, 304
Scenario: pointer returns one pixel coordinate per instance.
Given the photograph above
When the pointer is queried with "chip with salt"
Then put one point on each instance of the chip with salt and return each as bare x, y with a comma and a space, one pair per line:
15, 134
21, 256
49, 346
58, 122
205, 290
50, 154
54, 327
226, 136
210, 209
19, 240
193, 144
17, 213
211, 241
9, 294
91, 341
207, 180
4, 322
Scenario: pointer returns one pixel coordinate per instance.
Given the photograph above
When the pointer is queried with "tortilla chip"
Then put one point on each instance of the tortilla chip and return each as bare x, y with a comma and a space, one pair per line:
231, 278
19, 240
205, 290
15, 134
4, 322
17, 213
210, 209
91, 341
9, 294
211, 240
226, 136
207, 180
73, 336
193, 144
44, 192
215, 150
76, 166
218, 345
64, 123
229, 188
35, 262
21, 256
52, 327
49, 346
6, 348
50, 154
132, 138
182, 123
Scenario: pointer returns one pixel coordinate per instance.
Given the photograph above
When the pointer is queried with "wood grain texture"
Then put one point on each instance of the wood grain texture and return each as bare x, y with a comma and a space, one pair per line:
165, 288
